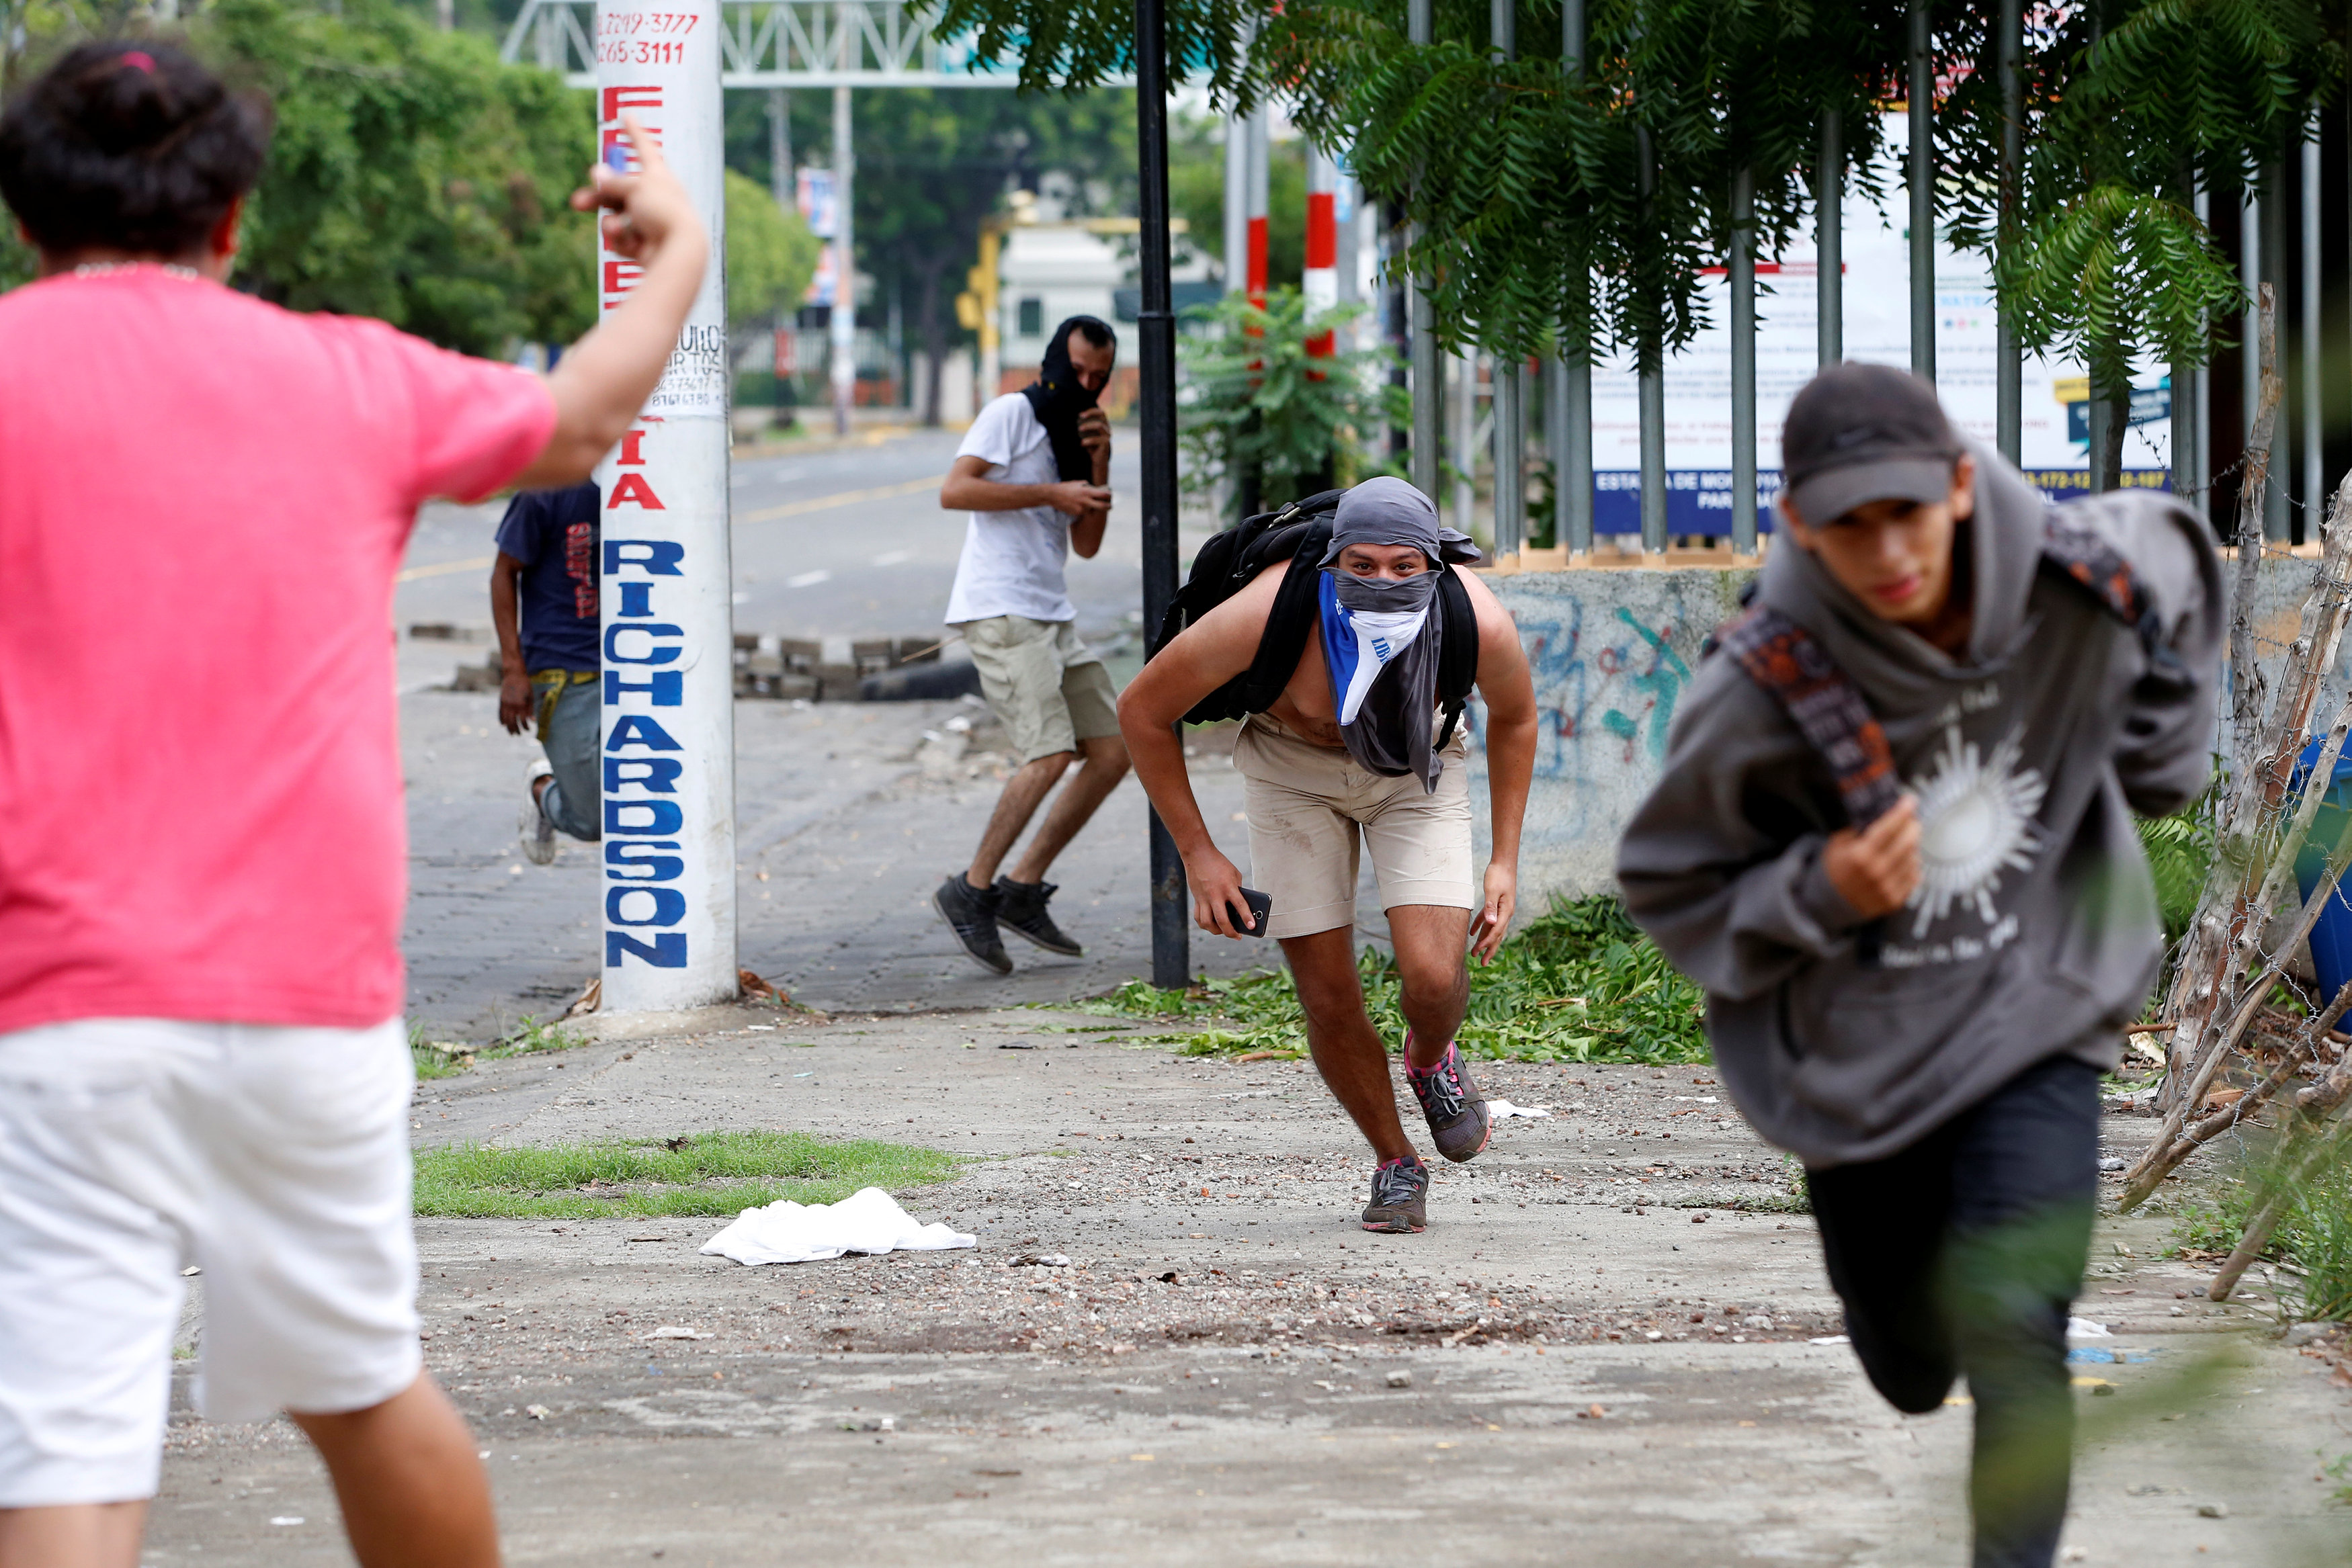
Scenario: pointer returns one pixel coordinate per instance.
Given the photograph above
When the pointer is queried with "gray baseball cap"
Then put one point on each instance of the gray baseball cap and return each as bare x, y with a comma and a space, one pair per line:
1858, 434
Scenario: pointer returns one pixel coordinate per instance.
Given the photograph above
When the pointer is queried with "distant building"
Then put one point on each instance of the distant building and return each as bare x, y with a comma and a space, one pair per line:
1047, 273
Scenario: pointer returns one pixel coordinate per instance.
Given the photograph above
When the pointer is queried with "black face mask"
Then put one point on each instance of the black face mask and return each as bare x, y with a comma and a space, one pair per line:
1059, 398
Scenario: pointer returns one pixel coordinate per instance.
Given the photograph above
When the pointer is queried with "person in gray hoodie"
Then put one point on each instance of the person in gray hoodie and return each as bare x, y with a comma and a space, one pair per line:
1914, 894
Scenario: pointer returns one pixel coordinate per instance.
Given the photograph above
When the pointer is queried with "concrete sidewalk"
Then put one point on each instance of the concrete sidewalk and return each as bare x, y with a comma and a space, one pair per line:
1597, 1354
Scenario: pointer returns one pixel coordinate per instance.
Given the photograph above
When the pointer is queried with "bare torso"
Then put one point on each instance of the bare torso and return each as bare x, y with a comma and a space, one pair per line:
1305, 706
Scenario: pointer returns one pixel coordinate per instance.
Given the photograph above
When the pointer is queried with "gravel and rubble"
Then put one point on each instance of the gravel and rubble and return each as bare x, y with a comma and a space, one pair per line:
1173, 1343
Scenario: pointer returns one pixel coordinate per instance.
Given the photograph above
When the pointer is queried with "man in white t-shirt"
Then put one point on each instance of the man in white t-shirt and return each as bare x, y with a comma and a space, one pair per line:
1034, 471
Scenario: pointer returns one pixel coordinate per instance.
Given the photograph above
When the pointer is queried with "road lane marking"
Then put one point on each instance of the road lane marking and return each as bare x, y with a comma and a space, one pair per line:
843, 498
809, 579
443, 569
894, 558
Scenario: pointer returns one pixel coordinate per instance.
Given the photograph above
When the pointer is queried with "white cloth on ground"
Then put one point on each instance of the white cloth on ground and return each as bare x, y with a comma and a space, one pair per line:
868, 1220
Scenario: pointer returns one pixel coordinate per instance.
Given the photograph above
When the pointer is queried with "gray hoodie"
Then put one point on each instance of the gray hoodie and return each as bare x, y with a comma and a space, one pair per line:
2035, 933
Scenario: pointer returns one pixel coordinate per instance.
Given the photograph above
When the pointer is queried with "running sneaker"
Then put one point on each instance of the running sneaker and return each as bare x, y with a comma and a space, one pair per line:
1457, 1115
1400, 1205
1021, 909
538, 833
971, 913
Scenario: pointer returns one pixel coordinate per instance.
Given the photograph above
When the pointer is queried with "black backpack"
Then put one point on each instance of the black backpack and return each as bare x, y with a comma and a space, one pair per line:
1299, 533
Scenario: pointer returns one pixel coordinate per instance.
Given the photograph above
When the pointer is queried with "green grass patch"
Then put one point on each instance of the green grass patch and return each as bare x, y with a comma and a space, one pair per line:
433, 1058
1579, 983
702, 1173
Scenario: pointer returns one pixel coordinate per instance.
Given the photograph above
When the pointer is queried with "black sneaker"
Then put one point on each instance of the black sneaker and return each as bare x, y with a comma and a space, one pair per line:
971, 913
1400, 1203
1021, 909
1458, 1116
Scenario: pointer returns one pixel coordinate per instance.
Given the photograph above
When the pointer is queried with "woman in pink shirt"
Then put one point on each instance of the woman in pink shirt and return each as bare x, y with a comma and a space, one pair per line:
204, 500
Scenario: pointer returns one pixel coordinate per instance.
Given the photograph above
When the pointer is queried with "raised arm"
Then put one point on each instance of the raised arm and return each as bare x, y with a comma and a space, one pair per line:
1208, 653
600, 386
1508, 692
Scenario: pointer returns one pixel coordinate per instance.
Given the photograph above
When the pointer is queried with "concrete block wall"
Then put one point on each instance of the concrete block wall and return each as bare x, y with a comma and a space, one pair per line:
1613, 649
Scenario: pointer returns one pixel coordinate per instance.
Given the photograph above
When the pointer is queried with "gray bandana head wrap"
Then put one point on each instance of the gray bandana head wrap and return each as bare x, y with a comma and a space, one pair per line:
1381, 638
1386, 511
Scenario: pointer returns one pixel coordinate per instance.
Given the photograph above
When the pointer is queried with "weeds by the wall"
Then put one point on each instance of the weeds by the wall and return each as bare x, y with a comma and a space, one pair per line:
2311, 1241
1579, 983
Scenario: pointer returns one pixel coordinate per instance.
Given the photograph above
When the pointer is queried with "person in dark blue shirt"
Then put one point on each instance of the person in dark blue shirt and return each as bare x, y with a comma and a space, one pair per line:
543, 600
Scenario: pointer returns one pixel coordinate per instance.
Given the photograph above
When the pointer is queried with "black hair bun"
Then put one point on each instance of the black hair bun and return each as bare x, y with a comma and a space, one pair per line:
129, 145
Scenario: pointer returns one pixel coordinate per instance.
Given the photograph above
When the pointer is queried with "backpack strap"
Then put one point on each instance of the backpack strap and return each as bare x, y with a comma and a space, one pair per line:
1289, 620
2085, 558
1785, 660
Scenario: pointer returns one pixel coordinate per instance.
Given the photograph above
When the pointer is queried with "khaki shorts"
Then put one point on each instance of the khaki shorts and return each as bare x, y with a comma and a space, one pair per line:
1046, 687
1306, 804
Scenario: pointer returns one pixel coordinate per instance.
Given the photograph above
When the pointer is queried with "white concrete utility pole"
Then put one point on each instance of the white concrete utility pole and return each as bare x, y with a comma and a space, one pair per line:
844, 266
664, 579
1237, 180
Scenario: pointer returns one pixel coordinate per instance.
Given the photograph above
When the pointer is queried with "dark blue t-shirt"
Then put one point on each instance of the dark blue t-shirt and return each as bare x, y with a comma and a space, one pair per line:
553, 534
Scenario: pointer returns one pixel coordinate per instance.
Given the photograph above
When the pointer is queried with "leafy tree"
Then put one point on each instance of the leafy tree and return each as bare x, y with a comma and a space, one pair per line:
932, 165
410, 176
1256, 400
1560, 210
771, 256
2129, 107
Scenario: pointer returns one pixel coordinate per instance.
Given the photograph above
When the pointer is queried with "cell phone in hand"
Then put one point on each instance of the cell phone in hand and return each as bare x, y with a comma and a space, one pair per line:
1261, 908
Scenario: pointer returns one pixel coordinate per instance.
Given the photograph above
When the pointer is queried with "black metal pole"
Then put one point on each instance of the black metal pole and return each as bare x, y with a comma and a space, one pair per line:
1171, 936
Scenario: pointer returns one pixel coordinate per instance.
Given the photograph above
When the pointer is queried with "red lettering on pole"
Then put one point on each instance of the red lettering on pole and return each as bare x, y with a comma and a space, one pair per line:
617, 99
632, 449
633, 487
620, 277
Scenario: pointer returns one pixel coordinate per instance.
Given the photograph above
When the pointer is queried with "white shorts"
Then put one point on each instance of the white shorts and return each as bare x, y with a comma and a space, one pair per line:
277, 1159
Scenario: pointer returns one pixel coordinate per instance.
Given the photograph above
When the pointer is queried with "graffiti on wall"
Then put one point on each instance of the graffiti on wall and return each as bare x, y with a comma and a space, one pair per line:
1612, 659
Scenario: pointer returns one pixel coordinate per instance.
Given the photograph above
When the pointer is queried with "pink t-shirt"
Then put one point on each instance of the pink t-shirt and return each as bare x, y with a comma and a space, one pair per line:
204, 500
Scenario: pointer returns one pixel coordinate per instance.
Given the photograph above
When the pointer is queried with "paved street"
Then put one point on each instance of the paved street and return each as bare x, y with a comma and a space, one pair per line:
845, 541
1597, 1354
845, 822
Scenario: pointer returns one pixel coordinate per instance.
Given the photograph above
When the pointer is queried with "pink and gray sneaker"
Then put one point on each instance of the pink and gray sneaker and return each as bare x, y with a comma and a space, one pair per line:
1456, 1113
1400, 1205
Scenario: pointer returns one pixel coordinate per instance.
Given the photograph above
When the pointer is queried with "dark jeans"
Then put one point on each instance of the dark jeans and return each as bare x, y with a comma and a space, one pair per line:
1962, 1254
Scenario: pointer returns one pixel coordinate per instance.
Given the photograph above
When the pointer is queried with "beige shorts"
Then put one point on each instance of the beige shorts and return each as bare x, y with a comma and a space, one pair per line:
1046, 687
1306, 804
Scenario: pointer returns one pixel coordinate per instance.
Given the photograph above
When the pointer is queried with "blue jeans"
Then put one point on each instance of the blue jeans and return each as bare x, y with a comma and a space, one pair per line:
570, 722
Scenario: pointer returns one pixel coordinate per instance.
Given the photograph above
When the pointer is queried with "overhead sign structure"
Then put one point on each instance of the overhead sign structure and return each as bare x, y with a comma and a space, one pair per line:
664, 579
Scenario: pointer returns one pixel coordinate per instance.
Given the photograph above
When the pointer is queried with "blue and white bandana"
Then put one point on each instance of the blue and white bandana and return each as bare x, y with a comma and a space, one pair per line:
1381, 638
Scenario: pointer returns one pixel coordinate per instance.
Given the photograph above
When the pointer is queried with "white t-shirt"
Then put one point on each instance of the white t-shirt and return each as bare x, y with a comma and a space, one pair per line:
1012, 560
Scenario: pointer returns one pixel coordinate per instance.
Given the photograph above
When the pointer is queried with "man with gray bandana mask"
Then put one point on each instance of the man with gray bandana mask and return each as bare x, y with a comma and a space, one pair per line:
1352, 754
